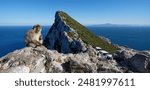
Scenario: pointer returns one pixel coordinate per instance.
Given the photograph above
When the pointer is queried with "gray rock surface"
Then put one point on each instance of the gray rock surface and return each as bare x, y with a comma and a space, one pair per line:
42, 60
136, 61
58, 38
141, 62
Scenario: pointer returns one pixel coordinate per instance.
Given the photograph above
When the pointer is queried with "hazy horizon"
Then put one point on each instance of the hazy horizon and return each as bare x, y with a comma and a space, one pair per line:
87, 12
101, 24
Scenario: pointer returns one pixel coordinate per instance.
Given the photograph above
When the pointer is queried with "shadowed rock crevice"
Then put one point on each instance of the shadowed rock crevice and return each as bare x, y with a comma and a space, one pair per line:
67, 67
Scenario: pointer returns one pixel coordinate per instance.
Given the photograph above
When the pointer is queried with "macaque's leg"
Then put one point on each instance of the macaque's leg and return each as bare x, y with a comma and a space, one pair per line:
36, 42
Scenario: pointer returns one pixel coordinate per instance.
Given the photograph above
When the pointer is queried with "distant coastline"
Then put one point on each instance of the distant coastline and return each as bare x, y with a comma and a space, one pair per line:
117, 25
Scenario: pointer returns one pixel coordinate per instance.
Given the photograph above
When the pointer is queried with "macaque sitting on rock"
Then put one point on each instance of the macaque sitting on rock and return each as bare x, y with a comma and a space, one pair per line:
34, 37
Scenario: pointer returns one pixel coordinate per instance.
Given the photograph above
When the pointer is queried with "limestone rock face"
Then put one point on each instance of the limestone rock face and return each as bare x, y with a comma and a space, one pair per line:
42, 60
141, 62
136, 61
63, 38
25, 60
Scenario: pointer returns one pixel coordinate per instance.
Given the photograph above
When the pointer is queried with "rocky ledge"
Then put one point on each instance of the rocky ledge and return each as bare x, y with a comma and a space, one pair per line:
42, 60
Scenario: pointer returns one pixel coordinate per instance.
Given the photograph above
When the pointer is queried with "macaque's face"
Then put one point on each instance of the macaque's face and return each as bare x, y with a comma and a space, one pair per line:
37, 28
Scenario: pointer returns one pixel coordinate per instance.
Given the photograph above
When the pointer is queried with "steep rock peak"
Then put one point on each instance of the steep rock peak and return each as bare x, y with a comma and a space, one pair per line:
62, 37
58, 17
69, 36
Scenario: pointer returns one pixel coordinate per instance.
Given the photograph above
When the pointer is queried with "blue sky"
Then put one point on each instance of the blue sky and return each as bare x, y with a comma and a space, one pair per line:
29, 12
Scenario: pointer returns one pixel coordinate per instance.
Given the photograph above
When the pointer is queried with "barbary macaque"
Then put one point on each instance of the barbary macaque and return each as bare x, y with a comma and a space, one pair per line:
34, 37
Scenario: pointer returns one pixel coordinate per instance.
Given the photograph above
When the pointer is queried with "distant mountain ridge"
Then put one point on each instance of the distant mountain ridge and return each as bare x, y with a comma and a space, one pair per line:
118, 25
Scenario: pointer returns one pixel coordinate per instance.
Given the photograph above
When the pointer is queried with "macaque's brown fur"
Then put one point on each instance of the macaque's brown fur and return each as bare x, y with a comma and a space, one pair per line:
34, 37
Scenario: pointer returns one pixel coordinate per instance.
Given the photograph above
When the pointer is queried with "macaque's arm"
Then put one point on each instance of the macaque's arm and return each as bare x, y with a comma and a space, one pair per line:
36, 42
40, 38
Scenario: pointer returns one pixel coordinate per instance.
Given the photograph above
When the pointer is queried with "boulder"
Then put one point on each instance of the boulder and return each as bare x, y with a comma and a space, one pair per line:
140, 62
136, 61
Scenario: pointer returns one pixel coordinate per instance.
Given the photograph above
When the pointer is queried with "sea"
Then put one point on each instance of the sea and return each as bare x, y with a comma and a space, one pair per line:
136, 37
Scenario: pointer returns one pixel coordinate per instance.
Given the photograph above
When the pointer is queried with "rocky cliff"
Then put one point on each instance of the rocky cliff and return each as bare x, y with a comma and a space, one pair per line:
68, 36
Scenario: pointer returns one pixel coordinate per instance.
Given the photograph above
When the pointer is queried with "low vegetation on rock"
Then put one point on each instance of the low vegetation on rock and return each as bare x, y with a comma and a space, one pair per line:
87, 36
